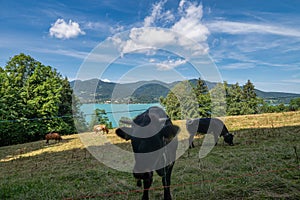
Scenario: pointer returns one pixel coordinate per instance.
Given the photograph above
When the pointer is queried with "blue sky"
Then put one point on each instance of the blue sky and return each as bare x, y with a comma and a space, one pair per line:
257, 40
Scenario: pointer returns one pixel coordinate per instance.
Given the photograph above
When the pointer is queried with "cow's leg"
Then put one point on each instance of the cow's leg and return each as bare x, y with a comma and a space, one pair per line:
166, 180
147, 184
192, 145
215, 133
216, 138
191, 139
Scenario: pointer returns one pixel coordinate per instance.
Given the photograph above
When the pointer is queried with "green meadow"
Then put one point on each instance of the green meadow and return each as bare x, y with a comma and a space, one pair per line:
264, 163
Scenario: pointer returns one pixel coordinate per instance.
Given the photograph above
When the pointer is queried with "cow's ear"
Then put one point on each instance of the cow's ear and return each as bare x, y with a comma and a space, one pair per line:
124, 132
170, 131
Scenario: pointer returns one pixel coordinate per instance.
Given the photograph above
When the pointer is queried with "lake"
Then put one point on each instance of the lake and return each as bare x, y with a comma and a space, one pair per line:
115, 111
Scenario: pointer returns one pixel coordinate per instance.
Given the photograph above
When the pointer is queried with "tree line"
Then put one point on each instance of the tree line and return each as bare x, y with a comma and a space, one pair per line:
34, 100
186, 100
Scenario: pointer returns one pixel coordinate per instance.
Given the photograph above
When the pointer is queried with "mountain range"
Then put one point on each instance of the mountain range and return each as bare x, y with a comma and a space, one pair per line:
95, 90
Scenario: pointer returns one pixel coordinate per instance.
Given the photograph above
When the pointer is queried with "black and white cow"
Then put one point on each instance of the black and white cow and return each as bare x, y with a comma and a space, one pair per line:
213, 126
154, 143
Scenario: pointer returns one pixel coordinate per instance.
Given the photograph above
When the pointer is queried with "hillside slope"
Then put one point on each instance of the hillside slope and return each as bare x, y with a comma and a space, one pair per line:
146, 91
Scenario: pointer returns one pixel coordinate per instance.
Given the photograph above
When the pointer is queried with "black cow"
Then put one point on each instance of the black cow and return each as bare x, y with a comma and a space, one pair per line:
208, 125
154, 143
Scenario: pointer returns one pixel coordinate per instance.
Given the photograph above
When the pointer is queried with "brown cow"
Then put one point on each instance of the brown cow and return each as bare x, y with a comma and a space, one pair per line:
101, 127
52, 136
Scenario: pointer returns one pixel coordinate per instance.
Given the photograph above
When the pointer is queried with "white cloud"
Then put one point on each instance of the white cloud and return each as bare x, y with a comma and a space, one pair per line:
103, 27
190, 24
246, 28
152, 60
95, 25
156, 11
106, 80
148, 38
234, 66
170, 64
292, 81
181, 4
187, 32
70, 53
116, 29
158, 14
62, 30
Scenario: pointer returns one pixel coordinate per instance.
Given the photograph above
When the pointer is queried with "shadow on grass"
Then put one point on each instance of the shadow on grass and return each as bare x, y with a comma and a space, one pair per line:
13, 152
57, 175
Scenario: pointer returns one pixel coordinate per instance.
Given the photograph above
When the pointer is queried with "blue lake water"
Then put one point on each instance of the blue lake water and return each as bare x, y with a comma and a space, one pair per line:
115, 111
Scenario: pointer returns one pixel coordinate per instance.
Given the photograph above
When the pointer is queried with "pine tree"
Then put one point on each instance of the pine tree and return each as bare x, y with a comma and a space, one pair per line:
234, 100
181, 102
250, 98
172, 106
218, 98
188, 101
203, 97
242, 101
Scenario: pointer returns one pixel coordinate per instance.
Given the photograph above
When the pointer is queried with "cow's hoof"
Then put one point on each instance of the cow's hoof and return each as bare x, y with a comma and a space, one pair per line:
145, 197
167, 197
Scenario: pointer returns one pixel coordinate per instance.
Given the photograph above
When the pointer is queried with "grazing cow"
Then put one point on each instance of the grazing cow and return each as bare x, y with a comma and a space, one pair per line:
154, 143
52, 136
101, 127
208, 125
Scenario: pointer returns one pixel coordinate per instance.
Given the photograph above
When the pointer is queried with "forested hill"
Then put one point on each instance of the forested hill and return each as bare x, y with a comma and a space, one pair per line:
148, 91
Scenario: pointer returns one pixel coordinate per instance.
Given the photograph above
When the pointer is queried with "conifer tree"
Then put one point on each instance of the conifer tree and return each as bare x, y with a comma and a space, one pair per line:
203, 97
218, 97
188, 101
250, 99
234, 100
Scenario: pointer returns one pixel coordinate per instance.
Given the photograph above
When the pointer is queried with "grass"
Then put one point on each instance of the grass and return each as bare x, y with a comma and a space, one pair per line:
264, 164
